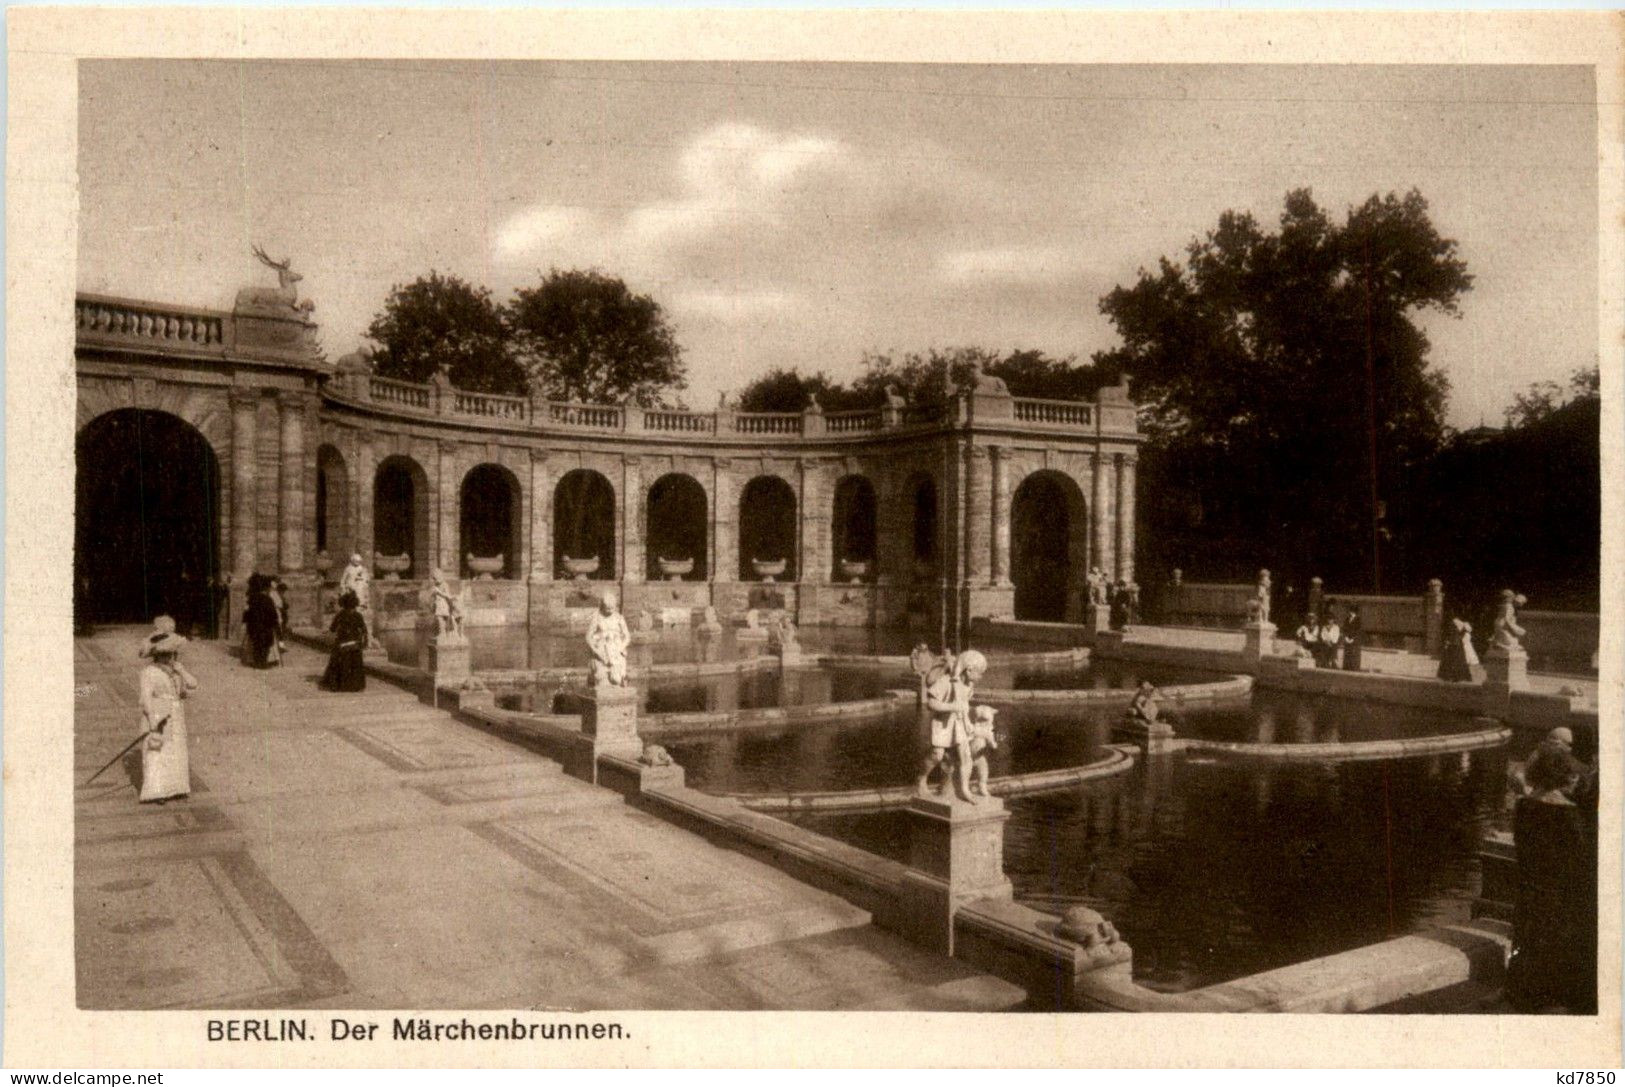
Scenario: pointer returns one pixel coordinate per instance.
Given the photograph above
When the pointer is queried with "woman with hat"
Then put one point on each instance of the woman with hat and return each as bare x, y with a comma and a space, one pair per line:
345, 668
165, 764
261, 622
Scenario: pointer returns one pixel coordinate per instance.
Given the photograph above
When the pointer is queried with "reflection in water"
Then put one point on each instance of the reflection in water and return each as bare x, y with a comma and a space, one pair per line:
1214, 870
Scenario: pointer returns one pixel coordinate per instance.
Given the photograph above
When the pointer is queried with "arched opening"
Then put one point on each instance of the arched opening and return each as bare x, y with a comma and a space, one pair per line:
335, 529
767, 529
147, 522
924, 503
853, 529
400, 518
489, 522
677, 528
1046, 515
584, 523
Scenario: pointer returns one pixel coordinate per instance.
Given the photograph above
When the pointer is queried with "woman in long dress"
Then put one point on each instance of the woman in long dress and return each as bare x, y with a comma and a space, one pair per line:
1554, 920
1353, 640
1453, 663
346, 670
261, 621
165, 763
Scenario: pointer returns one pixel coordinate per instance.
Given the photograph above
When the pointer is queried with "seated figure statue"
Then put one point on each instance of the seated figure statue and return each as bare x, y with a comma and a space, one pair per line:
607, 639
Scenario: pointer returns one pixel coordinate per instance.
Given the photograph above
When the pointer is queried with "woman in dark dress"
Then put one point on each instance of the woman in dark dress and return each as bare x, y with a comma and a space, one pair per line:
1453, 656
345, 671
1554, 920
1353, 640
262, 621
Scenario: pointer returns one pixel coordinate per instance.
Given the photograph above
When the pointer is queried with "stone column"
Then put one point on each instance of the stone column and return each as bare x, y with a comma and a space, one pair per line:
1101, 514
448, 497
724, 523
1001, 516
291, 507
632, 514
813, 560
978, 516
244, 552
541, 518
366, 470
1125, 516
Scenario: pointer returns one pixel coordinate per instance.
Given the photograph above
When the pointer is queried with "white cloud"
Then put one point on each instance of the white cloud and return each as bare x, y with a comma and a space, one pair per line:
733, 304
1012, 265
541, 226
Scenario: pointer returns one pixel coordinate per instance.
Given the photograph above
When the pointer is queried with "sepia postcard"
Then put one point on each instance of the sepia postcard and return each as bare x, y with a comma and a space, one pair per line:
761, 538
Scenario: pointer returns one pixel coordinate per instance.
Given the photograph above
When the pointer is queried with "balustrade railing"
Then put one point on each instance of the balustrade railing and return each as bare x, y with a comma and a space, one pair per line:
405, 394
169, 325
491, 406
852, 422
591, 416
768, 423
679, 422
1068, 413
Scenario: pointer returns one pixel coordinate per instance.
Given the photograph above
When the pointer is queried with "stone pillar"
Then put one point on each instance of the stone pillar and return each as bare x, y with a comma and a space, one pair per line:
1506, 668
1001, 516
366, 471
956, 856
291, 488
610, 719
632, 516
244, 498
1100, 515
814, 517
978, 516
541, 518
1125, 516
724, 523
448, 498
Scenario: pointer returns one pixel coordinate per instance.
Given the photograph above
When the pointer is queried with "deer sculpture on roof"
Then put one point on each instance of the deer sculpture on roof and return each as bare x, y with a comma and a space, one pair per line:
286, 293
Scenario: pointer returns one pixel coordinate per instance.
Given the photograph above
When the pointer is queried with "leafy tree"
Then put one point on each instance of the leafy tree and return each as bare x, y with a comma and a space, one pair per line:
584, 336
437, 321
931, 377
784, 389
1277, 366
1543, 398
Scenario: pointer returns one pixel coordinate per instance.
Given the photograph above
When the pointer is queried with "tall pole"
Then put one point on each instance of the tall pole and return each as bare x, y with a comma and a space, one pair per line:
1371, 423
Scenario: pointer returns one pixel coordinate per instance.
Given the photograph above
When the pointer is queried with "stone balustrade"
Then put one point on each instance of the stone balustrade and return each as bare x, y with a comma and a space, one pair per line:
123, 321
1059, 413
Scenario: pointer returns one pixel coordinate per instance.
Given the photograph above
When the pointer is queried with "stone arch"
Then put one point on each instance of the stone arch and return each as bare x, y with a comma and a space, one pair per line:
924, 525
205, 409
678, 519
584, 521
334, 517
489, 510
401, 502
767, 526
854, 526
148, 521
1049, 531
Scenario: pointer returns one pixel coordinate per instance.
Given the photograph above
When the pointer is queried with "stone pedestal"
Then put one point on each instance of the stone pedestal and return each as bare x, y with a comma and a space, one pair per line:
1506, 668
1098, 618
610, 718
445, 657
1259, 640
956, 855
1153, 738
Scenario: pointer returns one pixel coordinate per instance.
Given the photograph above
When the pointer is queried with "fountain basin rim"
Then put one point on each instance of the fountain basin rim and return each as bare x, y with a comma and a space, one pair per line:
1357, 751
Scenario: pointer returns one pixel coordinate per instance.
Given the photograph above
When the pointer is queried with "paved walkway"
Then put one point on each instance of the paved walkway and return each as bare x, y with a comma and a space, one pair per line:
368, 851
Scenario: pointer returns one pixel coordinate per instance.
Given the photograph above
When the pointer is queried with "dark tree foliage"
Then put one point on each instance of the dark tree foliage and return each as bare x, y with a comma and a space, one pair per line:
584, 336
928, 378
439, 321
1272, 364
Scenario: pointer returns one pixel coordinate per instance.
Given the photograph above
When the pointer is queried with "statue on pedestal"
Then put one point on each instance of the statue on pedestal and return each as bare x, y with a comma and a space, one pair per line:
1261, 594
1508, 636
448, 612
355, 579
607, 639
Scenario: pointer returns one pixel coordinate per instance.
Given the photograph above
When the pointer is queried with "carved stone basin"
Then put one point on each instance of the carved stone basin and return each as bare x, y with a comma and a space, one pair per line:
854, 570
768, 569
581, 569
674, 569
391, 567
486, 567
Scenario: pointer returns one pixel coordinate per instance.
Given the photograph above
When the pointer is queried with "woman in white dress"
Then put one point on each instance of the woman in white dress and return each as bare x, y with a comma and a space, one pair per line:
165, 766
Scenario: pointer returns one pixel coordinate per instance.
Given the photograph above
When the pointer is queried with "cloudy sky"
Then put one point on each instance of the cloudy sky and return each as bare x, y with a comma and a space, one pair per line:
805, 214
